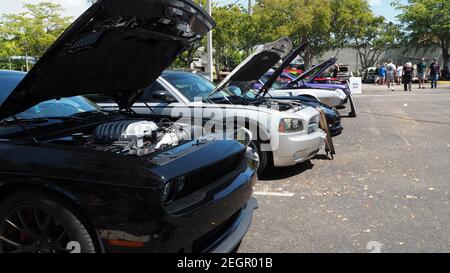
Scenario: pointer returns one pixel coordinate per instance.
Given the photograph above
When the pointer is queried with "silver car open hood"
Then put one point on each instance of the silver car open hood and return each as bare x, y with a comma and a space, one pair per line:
258, 63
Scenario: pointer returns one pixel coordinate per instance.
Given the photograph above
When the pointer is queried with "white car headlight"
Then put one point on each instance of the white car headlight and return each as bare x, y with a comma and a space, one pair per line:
290, 125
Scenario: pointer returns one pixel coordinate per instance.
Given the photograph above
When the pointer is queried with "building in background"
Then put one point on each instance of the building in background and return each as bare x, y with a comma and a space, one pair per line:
349, 56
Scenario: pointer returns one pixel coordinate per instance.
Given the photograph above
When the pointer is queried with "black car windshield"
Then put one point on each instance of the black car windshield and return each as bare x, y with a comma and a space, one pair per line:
63, 107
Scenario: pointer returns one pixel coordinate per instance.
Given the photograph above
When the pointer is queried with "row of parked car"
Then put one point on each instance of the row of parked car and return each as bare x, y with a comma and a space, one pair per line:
103, 149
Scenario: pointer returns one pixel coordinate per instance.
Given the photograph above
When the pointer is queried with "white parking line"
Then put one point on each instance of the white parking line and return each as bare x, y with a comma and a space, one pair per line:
287, 194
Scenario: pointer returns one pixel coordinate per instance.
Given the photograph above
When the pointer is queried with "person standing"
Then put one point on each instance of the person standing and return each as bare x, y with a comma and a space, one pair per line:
382, 74
399, 74
391, 70
408, 72
422, 73
434, 70
377, 74
335, 71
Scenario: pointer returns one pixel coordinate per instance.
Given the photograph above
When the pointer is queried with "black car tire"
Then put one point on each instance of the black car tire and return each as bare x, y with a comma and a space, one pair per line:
62, 212
263, 157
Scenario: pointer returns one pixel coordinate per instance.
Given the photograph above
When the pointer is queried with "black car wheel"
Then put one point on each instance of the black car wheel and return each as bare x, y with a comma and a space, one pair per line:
40, 223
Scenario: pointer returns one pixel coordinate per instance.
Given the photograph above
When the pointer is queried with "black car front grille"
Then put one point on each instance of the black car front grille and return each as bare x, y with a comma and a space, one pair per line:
206, 176
334, 122
210, 239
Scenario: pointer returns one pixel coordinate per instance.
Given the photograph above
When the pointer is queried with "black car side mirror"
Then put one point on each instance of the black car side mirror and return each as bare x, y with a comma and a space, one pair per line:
163, 96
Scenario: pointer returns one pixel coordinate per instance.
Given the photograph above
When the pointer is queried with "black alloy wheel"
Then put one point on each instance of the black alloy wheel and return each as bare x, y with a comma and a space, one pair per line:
37, 224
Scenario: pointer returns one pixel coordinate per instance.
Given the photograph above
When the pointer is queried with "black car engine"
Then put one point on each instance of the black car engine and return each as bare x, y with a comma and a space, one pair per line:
139, 137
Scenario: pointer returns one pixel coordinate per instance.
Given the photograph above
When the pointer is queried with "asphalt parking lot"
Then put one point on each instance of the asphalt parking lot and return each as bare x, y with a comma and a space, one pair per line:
387, 188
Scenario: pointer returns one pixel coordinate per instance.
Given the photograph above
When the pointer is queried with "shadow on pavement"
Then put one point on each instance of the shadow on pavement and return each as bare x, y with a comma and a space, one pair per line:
322, 157
286, 172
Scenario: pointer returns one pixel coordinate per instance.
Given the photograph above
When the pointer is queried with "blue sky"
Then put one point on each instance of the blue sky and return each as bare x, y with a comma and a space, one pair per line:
76, 7
384, 8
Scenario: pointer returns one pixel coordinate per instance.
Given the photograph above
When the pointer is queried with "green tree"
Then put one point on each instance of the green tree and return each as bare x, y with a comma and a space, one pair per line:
355, 26
426, 22
228, 43
373, 38
301, 20
31, 32
348, 15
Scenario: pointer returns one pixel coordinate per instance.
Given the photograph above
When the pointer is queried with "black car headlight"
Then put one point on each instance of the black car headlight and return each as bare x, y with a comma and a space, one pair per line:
327, 111
172, 189
180, 183
166, 192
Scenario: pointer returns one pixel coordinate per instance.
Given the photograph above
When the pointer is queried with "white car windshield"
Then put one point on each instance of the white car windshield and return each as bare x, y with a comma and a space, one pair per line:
194, 86
190, 85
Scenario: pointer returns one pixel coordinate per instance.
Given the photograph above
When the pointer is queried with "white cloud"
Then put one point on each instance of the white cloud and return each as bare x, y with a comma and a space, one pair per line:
71, 7
375, 2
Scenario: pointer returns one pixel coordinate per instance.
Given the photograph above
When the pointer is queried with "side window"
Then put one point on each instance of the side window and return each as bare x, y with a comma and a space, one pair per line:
154, 94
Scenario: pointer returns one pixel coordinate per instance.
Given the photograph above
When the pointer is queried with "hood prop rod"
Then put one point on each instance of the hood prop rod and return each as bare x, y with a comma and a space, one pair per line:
146, 104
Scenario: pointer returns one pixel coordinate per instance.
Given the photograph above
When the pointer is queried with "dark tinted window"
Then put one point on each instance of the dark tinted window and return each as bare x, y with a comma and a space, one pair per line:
7, 85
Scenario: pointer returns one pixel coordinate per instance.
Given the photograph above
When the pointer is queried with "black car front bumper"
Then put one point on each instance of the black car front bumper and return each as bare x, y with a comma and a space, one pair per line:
214, 218
237, 231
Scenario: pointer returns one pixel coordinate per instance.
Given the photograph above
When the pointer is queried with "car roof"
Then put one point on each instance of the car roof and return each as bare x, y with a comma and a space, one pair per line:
11, 73
175, 72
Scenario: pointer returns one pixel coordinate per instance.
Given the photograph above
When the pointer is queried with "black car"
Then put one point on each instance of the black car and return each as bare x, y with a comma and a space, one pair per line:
75, 178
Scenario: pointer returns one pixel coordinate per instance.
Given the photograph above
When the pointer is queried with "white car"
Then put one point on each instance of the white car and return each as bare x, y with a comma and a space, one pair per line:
332, 98
285, 132
301, 86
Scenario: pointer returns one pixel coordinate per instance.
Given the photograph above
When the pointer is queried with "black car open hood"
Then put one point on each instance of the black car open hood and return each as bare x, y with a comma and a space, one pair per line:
116, 48
314, 72
258, 63
277, 73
